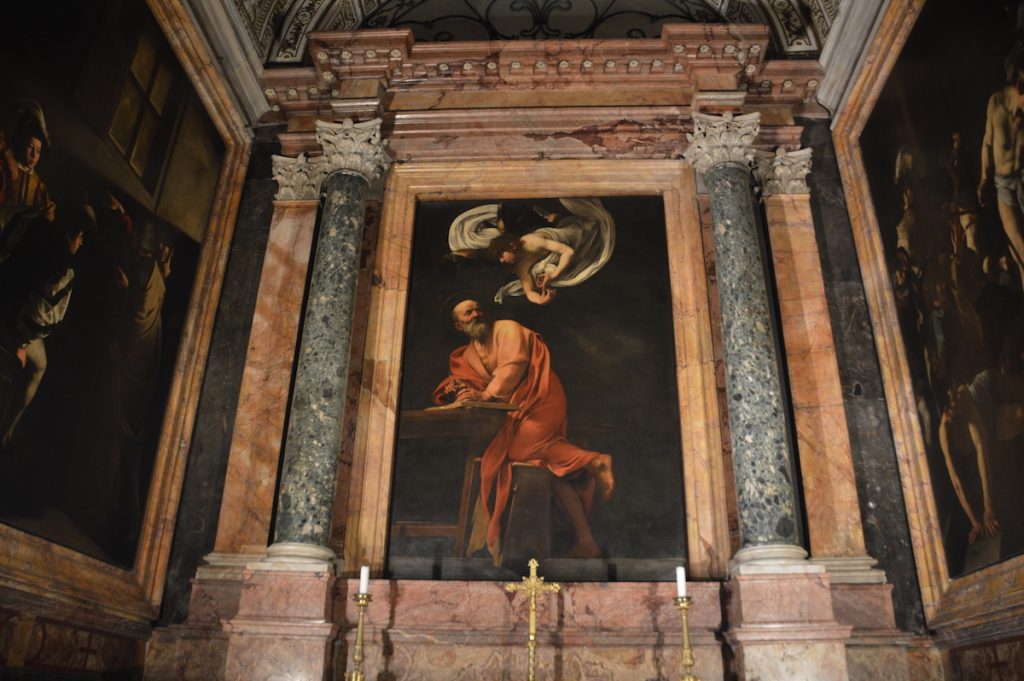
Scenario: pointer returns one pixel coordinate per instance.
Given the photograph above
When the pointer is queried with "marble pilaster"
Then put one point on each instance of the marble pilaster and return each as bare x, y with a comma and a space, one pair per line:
282, 623
353, 157
721, 149
246, 507
822, 438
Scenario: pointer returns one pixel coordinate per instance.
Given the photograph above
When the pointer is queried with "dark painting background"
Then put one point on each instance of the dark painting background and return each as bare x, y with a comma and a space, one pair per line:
961, 301
611, 343
123, 119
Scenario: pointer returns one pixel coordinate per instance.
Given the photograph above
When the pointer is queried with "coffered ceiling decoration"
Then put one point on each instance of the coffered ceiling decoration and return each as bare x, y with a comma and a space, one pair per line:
279, 28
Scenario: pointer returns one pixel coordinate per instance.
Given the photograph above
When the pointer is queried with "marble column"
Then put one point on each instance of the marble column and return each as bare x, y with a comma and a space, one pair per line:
354, 156
781, 619
721, 150
283, 623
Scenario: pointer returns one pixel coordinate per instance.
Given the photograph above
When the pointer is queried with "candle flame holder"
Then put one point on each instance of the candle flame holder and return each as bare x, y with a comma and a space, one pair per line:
361, 601
683, 603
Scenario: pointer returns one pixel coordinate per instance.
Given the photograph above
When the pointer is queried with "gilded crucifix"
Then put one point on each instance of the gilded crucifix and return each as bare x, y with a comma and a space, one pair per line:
532, 586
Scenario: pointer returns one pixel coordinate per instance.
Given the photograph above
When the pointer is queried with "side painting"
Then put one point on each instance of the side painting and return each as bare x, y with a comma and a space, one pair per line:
108, 167
539, 409
944, 152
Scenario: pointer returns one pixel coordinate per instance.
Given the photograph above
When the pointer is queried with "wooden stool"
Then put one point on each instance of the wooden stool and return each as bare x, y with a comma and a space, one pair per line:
528, 516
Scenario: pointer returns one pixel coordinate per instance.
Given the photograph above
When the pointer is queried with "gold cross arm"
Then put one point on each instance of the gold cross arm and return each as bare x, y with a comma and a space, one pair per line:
532, 585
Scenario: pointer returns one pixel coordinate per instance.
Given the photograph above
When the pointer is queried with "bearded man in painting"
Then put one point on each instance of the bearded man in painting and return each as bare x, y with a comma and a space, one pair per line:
506, 362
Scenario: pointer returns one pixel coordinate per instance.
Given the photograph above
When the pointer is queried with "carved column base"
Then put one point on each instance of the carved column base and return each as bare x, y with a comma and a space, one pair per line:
282, 628
877, 649
196, 650
782, 627
771, 559
851, 569
297, 557
250, 620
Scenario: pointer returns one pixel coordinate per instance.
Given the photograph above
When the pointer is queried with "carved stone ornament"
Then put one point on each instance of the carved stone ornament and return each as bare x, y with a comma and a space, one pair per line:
347, 146
783, 172
298, 179
354, 146
722, 139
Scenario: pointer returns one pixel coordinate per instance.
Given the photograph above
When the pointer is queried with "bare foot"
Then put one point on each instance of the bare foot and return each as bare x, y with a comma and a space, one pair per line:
601, 467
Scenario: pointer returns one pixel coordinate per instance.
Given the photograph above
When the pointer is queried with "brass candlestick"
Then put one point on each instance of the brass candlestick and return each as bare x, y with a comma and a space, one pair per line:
362, 601
684, 605
532, 585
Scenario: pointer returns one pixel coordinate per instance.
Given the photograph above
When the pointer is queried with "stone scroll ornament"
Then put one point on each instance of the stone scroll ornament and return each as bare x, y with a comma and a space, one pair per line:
347, 146
299, 178
722, 139
356, 147
783, 172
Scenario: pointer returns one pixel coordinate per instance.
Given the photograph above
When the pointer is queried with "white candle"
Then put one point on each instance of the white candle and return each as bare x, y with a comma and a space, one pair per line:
364, 579
681, 581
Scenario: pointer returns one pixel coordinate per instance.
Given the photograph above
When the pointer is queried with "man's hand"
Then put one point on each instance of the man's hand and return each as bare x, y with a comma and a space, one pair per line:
470, 394
989, 523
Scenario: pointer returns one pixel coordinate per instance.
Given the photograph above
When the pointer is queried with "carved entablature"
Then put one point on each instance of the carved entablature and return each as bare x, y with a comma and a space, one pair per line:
783, 172
363, 74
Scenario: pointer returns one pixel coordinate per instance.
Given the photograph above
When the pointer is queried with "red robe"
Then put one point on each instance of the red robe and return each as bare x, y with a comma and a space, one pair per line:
514, 365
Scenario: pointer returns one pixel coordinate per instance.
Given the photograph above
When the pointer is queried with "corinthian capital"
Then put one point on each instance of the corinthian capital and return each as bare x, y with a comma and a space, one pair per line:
722, 139
783, 172
298, 179
354, 146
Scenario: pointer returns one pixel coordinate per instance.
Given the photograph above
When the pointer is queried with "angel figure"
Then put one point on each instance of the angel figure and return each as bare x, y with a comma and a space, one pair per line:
546, 247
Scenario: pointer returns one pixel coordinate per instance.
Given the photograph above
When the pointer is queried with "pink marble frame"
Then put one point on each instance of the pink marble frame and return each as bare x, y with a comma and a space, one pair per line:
703, 468
96, 589
993, 594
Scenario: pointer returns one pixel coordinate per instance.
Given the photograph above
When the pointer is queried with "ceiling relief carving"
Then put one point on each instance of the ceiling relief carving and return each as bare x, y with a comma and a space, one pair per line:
279, 28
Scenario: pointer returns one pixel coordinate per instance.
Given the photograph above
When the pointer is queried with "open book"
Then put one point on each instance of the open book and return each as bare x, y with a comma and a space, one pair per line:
476, 404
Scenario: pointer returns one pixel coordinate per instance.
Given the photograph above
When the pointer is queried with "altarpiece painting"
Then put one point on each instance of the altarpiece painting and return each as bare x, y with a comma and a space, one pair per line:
557, 397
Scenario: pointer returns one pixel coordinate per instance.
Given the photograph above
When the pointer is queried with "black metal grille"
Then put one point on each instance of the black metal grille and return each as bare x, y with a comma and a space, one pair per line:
434, 20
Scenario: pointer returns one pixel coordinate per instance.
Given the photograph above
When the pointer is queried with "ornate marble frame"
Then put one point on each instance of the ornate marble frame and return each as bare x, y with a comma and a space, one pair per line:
373, 452
996, 593
64, 579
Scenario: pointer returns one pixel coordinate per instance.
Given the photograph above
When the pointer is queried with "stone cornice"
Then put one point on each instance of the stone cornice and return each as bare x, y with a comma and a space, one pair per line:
783, 172
722, 139
367, 73
347, 146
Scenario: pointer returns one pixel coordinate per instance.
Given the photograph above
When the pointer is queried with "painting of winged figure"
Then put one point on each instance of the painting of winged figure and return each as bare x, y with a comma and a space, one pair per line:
531, 324
547, 248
